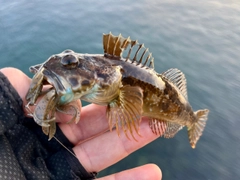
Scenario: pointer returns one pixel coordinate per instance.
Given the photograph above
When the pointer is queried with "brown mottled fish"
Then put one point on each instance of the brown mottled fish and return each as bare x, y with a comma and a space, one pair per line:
129, 87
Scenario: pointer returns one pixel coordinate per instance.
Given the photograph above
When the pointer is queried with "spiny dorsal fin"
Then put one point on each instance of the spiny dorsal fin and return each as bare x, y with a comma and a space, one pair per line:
115, 46
178, 79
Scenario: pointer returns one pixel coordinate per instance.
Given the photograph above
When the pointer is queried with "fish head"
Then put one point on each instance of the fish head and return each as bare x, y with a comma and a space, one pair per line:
74, 75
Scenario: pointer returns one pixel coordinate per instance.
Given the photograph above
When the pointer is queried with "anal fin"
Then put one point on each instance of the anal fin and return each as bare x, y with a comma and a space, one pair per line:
125, 111
172, 129
157, 126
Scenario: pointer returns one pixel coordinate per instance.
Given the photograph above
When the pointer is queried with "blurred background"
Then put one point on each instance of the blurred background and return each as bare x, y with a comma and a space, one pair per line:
201, 38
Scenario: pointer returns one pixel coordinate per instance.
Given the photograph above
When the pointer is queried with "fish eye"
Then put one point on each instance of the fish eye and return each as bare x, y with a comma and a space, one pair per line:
68, 51
69, 61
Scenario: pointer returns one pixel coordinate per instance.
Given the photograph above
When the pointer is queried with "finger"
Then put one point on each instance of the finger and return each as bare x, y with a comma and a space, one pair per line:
93, 119
108, 148
146, 172
21, 83
64, 116
92, 122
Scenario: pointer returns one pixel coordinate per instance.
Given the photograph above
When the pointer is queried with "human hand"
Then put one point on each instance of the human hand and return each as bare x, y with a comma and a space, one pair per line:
95, 148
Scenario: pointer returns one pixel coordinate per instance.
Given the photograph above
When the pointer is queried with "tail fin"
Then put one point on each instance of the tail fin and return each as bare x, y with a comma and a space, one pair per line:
195, 131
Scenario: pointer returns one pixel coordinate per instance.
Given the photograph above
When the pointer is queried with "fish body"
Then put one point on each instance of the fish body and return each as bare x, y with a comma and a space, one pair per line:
129, 87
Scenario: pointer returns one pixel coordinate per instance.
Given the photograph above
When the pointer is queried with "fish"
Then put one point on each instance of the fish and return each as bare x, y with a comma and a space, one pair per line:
124, 80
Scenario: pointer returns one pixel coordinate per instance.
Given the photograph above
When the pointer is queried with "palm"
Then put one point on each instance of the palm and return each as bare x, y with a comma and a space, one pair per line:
95, 147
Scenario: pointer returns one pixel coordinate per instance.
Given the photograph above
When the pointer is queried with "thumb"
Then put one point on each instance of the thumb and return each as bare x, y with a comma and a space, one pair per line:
21, 82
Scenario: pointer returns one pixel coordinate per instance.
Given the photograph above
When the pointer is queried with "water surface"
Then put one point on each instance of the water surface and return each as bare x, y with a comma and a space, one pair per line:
201, 38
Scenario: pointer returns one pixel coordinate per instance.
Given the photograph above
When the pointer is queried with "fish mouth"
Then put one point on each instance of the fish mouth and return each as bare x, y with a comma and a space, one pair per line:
61, 86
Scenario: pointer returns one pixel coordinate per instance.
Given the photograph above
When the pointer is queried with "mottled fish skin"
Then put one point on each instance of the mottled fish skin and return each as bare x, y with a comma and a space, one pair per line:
129, 87
161, 99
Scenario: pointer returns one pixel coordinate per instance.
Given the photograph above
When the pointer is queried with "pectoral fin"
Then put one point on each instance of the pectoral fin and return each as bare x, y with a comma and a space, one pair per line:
126, 110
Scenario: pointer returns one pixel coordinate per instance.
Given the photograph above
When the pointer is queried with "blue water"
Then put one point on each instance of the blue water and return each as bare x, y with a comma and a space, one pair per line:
201, 38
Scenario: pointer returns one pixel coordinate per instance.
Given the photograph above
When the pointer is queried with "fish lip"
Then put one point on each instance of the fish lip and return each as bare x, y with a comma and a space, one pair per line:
61, 86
